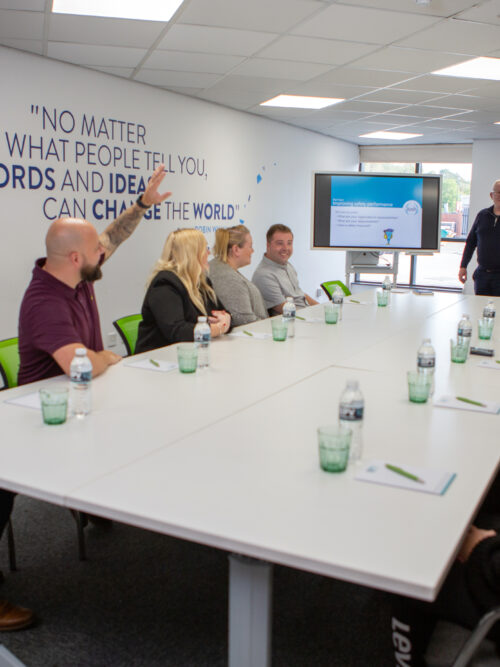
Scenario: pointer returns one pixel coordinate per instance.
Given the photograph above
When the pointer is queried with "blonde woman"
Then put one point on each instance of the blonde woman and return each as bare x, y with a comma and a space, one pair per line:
178, 292
233, 250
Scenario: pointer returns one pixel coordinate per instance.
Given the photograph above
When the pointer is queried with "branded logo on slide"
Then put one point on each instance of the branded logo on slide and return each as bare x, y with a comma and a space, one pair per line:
388, 235
411, 207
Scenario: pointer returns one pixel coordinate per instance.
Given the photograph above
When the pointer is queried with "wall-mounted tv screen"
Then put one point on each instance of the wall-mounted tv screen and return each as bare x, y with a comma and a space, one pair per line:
377, 211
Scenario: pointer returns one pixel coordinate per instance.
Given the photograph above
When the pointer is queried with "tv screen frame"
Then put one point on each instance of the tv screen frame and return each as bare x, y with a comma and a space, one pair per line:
430, 200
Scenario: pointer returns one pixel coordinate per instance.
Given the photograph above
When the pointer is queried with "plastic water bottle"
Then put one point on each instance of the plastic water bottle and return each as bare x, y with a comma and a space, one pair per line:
338, 298
289, 311
80, 374
351, 411
426, 361
387, 286
202, 338
489, 310
464, 331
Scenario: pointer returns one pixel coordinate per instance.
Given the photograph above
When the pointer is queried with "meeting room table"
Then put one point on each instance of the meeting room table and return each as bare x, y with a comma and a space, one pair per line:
228, 457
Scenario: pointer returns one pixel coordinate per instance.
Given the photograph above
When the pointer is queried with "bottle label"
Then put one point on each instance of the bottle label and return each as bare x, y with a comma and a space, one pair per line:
81, 376
203, 338
466, 333
338, 299
351, 413
426, 362
488, 313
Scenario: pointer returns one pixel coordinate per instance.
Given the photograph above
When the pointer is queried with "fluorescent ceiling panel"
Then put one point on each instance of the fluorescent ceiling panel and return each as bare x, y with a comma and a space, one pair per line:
301, 102
145, 10
397, 136
477, 68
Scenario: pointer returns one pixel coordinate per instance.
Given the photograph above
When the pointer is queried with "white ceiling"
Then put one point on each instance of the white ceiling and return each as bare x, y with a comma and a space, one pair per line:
377, 54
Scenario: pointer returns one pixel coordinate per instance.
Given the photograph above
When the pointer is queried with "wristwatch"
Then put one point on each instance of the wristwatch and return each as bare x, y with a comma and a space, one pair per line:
138, 201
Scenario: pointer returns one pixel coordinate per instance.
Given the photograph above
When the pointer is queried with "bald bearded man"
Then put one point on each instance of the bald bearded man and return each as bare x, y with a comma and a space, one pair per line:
59, 314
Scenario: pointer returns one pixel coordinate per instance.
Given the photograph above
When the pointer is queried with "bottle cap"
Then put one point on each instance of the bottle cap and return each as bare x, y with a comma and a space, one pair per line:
289, 299
80, 352
352, 384
202, 318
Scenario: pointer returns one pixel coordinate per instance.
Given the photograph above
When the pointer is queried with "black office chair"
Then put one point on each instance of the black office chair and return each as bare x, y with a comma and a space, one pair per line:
478, 634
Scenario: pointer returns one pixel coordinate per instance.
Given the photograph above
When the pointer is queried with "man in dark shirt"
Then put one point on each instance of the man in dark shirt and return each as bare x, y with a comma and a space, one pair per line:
59, 314
485, 235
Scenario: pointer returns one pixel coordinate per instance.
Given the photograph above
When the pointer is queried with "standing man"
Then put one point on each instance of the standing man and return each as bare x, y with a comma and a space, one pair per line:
275, 276
59, 314
485, 235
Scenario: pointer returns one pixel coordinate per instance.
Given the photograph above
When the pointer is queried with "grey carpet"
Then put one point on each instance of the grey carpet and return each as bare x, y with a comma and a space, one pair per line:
147, 600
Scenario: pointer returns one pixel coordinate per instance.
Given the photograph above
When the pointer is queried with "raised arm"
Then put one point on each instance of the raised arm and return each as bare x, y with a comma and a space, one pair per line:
121, 228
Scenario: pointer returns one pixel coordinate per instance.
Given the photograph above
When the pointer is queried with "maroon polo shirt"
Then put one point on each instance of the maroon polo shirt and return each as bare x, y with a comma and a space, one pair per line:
53, 315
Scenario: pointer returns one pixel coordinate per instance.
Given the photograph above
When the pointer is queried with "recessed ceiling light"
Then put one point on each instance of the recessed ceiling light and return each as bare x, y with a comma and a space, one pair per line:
398, 136
301, 102
477, 68
145, 10
496, 122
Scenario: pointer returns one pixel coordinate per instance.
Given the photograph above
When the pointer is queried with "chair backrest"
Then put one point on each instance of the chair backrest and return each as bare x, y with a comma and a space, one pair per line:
9, 361
330, 285
128, 327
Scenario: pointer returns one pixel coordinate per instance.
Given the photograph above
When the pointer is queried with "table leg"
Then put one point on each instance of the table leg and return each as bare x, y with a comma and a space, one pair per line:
250, 600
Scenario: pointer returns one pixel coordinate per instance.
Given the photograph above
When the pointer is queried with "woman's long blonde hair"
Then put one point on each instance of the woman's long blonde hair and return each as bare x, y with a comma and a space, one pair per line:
182, 254
226, 238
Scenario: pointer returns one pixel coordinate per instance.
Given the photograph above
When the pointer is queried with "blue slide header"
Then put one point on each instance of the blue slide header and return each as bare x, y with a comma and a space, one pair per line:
375, 191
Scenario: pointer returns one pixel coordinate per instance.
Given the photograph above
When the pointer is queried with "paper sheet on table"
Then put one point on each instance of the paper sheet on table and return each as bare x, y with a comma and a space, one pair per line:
398, 290
31, 400
490, 407
147, 364
490, 363
255, 334
434, 481
357, 302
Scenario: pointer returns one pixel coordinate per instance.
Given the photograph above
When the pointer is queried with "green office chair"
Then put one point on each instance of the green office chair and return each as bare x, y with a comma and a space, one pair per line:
128, 327
9, 366
329, 287
9, 362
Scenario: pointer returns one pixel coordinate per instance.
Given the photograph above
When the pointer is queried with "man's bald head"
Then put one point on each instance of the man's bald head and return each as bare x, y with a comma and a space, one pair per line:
496, 186
67, 235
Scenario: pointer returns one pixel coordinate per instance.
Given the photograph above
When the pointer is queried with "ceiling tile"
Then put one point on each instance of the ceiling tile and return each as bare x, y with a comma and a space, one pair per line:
455, 36
365, 77
329, 51
357, 24
21, 25
105, 31
238, 99
409, 60
436, 8
281, 69
486, 12
192, 62
368, 107
183, 79
206, 39
265, 85
322, 89
124, 72
85, 54
25, 5
275, 16
400, 97
30, 45
437, 84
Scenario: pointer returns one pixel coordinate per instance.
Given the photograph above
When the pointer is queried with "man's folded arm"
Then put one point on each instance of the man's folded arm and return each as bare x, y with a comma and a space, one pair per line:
99, 360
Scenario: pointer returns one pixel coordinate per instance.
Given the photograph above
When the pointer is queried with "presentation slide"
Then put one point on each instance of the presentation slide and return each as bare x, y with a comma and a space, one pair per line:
376, 212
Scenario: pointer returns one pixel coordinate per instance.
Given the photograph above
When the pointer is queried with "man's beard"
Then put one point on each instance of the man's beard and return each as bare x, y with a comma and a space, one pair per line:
91, 273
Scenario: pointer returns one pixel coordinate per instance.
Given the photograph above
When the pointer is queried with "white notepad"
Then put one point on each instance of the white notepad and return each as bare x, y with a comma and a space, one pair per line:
254, 334
489, 363
148, 365
433, 481
31, 400
489, 407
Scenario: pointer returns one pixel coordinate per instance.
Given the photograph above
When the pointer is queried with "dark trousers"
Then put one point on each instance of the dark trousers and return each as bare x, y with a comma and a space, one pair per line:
6, 504
486, 283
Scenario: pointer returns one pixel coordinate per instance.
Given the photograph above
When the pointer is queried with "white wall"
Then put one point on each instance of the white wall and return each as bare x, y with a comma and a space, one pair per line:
234, 148
485, 171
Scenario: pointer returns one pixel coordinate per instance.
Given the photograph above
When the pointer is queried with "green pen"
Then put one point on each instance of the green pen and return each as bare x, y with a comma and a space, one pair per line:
155, 363
298, 317
498, 362
468, 400
404, 473
247, 333
354, 301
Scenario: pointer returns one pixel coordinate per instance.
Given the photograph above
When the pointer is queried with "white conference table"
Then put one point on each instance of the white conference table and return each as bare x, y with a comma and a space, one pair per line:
229, 457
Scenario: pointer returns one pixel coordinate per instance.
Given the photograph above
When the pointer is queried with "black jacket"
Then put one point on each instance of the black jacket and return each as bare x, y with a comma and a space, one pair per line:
485, 235
169, 315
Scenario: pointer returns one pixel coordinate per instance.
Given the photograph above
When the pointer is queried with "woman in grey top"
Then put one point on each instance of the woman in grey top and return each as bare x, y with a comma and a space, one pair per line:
233, 250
